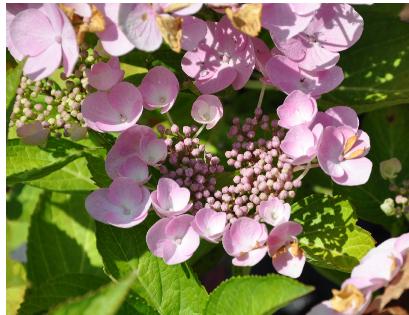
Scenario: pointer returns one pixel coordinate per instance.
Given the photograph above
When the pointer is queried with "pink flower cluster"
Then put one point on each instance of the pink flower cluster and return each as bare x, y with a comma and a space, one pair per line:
332, 137
308, 39
375, 271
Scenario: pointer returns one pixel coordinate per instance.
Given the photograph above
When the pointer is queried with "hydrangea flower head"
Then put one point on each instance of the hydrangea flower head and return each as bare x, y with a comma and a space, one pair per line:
124, 204
288, 258
170, 199
245, 241
225, 57
173, 239
207, 110
159, 89
46, 37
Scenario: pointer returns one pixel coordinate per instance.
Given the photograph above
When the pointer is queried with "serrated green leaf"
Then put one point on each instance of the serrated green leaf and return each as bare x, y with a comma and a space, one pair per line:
167, 289
254, 295
330, 237
388, 130
25, 162
106, 301
376, 68
62, 257
13, 77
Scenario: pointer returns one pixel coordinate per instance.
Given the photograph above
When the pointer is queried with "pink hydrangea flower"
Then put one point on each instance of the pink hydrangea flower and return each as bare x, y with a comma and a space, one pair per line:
46, 37
341, 155
169, 199
113, 40
115, 110
225, 57
285, 20
286, 74
173, 239
300, 143
381, 264
207, 110
245, 241
335, 27
210, 224
33, 133
274, 211
140, 141
104, 76
288, 257
124, 204
159, 89
298, 109
138, 22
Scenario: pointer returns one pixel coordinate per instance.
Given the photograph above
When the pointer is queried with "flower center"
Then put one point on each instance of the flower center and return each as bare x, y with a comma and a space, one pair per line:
350, 298
123, 118
348, 153
58, 39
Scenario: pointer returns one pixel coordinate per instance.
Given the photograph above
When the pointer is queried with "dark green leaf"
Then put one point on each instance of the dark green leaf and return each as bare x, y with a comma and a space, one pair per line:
330, 237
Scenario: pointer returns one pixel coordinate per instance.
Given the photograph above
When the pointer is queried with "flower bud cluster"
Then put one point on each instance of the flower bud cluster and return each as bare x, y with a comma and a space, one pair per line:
189, 164
399, 205
56, 108
263, 171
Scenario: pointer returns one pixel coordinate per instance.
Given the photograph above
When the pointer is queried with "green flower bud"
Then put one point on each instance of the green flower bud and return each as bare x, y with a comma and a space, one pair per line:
390, 168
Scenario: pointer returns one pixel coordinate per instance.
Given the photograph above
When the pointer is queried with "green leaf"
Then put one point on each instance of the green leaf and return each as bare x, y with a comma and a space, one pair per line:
376, 68
106, 301
73, 177
254, 295
13, 77
167, 289
96, 167
388, 130
25, 162
63, 260
331, 239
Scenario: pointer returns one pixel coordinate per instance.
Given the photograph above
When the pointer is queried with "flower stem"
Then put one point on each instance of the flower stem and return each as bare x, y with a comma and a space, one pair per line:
199, 131
169, 118
260, 98
306, 170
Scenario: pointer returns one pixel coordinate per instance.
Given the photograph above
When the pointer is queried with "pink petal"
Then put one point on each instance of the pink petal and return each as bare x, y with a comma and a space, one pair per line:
274, 211
337, 26
70, 48
81, 9
44, 64
193, 31
33, 133
112, 38
298, 108
134, 168
191, 9
250, 258
138, 23
29, 40
299, 144
262, 54
288, 264
156, 237
343, 116
103, 76
209, 224
127, 100
163, 97
207, 109
330, 151
357, 172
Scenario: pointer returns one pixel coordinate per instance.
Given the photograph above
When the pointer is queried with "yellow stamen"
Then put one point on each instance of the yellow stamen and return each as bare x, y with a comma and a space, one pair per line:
171, 30
355, 154
350, 143
350, 298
